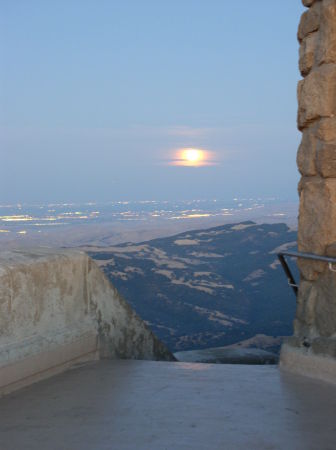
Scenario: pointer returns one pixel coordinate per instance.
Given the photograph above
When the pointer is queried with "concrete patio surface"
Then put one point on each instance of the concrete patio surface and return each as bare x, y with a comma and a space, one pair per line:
145, 405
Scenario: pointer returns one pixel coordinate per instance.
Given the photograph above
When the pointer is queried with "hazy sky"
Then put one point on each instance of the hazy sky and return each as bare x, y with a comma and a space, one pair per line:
95, 96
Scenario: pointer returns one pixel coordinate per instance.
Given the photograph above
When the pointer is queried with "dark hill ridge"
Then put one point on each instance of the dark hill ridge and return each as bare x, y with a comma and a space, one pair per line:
206, 288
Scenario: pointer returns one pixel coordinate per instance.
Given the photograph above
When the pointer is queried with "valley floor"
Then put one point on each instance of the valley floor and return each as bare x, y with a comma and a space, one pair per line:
156, 405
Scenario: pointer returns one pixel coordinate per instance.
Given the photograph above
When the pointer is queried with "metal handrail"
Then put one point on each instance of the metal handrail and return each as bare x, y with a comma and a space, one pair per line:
311, 256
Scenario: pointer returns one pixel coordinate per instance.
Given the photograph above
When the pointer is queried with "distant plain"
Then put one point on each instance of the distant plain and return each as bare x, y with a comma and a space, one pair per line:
67, 224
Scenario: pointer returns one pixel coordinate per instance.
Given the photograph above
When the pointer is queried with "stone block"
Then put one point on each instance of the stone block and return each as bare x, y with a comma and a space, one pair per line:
310, 21
310, 270
325, 308
317, 95
316, 308
307, 153
317, 214
305, 311
326, 160
326, 129
327, 37
331, 250
307, 53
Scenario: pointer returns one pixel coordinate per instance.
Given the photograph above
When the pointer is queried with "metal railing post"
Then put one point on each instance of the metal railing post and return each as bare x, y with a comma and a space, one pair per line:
311, 256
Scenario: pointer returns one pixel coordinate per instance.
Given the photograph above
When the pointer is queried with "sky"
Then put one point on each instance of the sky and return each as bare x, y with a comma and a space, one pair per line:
97, 98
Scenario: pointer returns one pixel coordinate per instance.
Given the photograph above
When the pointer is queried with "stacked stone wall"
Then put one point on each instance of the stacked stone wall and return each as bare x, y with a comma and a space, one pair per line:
317, 164
315, 323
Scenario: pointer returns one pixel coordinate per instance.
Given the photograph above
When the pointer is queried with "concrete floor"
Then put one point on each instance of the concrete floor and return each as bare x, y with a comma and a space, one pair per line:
139, 405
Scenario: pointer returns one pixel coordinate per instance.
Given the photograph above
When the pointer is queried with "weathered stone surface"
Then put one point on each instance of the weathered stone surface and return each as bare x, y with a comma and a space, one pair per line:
304, 322
310, 21
316, 308
304, 361
307, 3
326, 129
317, 95
326, 159
327, 37
310, 270
57, 307
307, 53
293, 341
324, 346
317, 214
325, 308
307, 153
331, 250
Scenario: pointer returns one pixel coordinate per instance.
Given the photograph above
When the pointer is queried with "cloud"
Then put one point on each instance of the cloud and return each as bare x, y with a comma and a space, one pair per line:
185, 131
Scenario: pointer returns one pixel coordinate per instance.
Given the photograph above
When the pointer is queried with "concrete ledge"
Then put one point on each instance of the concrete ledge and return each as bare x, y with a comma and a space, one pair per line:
304, 362
52, 361
57, 309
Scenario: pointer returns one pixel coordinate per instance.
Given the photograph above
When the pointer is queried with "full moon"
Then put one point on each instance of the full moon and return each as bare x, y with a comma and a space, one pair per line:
193, 155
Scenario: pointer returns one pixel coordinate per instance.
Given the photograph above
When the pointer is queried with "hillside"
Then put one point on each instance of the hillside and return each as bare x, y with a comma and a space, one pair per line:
206, 288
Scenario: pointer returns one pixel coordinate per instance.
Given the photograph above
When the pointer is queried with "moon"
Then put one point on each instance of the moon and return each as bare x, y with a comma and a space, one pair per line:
193, 155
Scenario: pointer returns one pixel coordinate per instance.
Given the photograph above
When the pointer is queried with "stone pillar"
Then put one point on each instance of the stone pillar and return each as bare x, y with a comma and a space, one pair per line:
312, 350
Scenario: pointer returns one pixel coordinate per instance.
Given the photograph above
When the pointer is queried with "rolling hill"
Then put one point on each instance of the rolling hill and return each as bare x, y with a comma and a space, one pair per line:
207, 288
